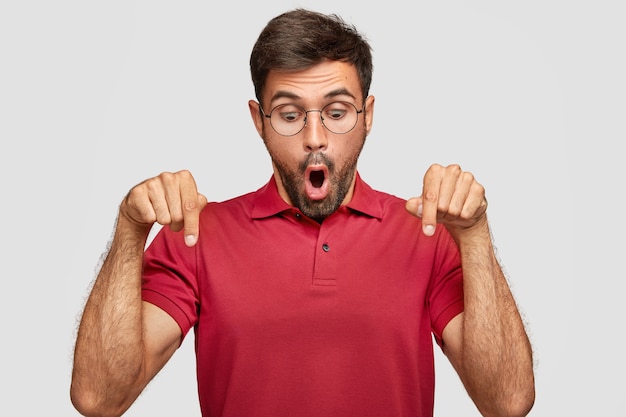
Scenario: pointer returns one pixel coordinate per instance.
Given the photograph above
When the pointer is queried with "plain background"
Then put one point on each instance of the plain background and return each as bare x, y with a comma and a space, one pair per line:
529, 96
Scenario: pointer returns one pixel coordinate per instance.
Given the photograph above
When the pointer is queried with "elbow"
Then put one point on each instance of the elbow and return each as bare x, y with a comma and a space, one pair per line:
89, 404
527, 403
523, 400
517, 405
82, 401
520, 407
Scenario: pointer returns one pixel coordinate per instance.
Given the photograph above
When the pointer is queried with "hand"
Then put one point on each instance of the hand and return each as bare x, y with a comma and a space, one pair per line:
169, 199
450, 196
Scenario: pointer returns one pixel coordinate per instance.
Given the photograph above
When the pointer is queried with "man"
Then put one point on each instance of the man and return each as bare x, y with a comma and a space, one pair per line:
315, 295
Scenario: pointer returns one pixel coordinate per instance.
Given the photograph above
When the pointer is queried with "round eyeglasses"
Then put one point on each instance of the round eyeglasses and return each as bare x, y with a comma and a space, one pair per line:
289, 119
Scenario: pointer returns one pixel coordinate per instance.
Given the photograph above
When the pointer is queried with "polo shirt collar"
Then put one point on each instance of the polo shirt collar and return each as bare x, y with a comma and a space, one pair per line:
365, 200
268, 202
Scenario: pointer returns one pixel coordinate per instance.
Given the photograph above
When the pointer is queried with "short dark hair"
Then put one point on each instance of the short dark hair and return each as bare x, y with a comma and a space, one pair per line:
299, 39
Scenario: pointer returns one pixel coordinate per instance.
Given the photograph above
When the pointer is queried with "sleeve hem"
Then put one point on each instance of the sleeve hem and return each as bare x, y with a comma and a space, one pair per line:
440, 322
170, 308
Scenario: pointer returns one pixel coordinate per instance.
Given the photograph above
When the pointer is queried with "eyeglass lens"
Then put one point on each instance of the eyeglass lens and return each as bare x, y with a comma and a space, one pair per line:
338, 117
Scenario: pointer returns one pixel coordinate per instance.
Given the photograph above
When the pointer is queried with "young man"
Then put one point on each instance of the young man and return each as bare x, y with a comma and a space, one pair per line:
315, 295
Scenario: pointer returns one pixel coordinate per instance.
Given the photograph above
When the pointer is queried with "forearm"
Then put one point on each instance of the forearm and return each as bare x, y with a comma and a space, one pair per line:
497, 367
108, 357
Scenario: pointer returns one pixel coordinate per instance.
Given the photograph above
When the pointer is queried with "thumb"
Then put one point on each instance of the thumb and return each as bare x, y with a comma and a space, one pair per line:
414, 206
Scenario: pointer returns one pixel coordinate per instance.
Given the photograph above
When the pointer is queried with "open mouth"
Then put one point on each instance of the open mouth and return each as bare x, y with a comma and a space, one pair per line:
316, 184
316, 178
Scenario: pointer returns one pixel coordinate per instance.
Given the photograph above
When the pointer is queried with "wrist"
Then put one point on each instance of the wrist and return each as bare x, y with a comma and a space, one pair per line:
478, 232
130, 230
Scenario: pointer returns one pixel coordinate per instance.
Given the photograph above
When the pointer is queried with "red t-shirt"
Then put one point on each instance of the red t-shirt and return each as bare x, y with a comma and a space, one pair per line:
294, 318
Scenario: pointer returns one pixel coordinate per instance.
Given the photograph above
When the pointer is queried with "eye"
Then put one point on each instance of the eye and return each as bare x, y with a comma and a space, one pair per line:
289, 113
336, 111
289, 116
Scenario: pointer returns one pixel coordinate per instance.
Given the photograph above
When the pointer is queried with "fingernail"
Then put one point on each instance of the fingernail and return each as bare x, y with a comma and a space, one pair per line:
419, 210
429, 230
190, 240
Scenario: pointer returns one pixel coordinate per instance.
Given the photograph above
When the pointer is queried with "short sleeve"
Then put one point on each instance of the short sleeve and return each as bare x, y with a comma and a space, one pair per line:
169, 278
445, 298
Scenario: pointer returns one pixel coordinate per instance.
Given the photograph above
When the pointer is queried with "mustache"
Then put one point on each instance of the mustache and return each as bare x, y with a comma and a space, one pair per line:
317, 158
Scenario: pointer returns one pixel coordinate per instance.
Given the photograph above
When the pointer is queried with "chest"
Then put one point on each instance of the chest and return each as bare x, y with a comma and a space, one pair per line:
315, 283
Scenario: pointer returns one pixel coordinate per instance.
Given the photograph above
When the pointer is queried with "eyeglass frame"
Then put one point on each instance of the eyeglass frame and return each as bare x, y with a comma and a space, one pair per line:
306, 116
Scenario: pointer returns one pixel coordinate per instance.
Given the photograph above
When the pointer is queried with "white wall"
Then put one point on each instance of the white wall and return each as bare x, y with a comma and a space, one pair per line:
97, 96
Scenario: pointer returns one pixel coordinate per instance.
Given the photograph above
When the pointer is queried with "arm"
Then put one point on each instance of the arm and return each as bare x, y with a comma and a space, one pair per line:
487, 343
122, 341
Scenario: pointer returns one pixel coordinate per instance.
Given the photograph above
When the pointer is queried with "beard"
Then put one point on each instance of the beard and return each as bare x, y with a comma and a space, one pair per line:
339, 177
340, 181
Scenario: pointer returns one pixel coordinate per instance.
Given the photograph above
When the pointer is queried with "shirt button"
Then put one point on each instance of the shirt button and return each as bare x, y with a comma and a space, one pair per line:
298, 215
325, 247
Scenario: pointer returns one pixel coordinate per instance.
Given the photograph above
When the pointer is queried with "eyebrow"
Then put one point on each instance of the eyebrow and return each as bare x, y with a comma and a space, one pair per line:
331, 94
339, 92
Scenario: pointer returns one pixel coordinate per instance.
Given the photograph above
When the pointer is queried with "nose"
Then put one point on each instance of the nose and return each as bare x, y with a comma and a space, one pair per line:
314, 132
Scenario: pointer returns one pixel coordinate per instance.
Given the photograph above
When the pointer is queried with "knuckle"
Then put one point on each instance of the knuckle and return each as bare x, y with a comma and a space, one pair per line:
454, 210
478, 189
144, 213
435, 167
185, 177
430, 196
153, 185
453, 169
176, 217
467, 176
164, 218
136, 193
467, 214
167, 177
190, 205
184, 173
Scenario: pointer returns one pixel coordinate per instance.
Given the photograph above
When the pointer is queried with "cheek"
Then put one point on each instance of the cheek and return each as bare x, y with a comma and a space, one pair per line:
352, 147
283, 152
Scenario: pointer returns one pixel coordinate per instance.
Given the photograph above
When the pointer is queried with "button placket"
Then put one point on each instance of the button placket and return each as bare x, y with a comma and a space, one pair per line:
325, 263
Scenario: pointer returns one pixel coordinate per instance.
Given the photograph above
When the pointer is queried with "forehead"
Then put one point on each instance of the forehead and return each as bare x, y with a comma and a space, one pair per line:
323, 81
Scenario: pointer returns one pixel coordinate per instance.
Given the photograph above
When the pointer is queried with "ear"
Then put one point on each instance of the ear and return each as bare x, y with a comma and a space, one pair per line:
369, 114
257, 117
